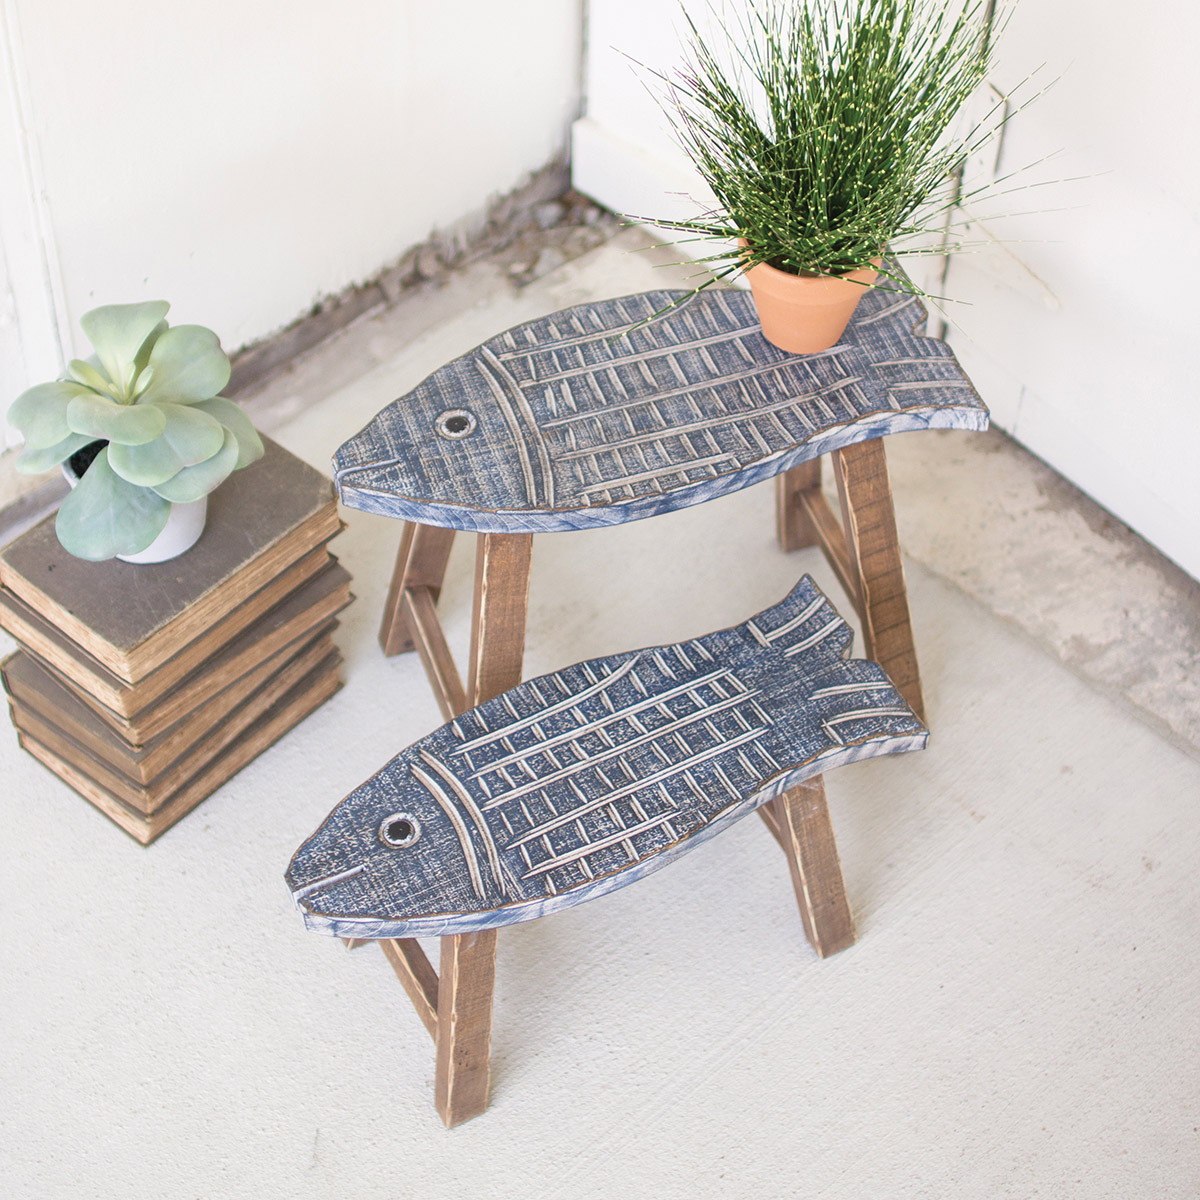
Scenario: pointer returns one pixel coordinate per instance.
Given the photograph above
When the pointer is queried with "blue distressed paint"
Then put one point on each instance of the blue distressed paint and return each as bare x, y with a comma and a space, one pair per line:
576, 420
577, 783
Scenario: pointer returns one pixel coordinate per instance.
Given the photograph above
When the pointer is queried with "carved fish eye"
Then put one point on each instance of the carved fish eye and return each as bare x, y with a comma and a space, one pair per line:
456, 423
399, 830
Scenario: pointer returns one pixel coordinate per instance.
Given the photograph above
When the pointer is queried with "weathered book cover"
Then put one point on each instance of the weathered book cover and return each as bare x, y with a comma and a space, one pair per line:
302, 699
309, 591
133, 618
37, 700
149, 796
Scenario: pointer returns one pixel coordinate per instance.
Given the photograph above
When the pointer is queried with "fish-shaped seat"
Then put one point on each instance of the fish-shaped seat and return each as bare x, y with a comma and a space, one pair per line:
621, 409
579, 782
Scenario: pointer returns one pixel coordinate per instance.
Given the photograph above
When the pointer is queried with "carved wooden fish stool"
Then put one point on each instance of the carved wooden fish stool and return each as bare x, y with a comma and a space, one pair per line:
621, 409
606, 412
577, 783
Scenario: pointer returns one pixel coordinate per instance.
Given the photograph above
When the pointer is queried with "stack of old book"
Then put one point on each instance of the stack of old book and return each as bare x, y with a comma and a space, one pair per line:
145, 687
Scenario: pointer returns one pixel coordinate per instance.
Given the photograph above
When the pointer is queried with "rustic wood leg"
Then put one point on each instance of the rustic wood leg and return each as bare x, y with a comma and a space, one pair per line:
464, 1025
468, 961
792, 524
421, 562
801, 815
869, 522
501, 599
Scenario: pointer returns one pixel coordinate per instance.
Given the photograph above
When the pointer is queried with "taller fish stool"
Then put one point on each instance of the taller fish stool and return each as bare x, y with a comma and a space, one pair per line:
563, 423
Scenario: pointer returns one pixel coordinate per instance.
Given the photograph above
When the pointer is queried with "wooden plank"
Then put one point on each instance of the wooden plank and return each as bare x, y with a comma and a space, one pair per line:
793, 526
806, 838
464, 1027
420, 562
417, 975
502, 564
874, 549
456, 1005
601, 772
770, 818
425, 630
803, 816
803, 518
642, 414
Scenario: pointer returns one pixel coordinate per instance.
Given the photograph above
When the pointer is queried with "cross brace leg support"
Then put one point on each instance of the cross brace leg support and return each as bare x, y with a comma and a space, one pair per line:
420, 563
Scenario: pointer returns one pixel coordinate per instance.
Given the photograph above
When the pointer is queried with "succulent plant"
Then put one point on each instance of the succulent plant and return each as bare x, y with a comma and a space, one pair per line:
150, 392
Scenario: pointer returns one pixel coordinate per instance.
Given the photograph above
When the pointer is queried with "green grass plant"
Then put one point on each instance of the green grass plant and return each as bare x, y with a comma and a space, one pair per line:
826, 128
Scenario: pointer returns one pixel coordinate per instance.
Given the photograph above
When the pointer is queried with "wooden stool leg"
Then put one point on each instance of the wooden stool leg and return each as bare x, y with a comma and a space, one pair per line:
468, 961
464, 1025
869, 522
501, 600
793, 527
421, 562
806, 834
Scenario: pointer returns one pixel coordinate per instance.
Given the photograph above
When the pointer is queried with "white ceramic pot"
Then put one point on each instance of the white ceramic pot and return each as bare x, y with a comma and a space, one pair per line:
181, 532
185, 524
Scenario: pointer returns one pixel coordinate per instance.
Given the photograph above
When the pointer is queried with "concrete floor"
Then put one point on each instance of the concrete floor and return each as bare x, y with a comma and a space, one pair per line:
1019, 1018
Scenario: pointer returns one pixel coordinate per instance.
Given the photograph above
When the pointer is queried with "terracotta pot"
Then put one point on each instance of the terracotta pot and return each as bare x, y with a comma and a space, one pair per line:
185, 523
802, 314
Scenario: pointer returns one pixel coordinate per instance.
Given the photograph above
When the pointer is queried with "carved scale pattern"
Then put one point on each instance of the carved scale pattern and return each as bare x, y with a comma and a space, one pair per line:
579, 782
596, 415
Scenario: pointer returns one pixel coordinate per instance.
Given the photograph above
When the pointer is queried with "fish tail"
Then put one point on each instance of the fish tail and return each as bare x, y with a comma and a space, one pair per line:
851, 699
803, 622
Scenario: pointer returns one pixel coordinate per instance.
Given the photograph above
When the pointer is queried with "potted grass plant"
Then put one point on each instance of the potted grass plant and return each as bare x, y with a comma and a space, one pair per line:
825, 130
141, 433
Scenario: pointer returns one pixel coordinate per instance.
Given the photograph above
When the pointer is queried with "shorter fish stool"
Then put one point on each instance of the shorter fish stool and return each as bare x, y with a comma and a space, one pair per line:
577, 783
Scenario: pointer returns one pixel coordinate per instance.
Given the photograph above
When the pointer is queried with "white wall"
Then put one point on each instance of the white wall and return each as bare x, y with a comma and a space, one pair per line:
1081, 324
623, 153
1077, 326
241, 160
